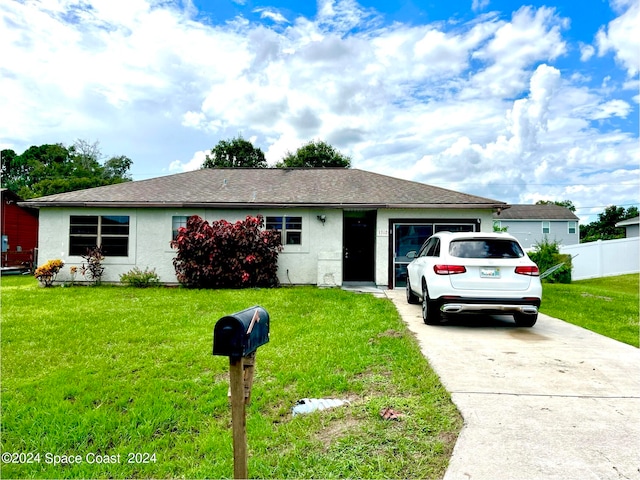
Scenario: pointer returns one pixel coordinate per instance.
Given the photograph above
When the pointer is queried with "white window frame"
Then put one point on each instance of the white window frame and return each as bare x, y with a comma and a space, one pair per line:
546, 226
177, 221
283, 221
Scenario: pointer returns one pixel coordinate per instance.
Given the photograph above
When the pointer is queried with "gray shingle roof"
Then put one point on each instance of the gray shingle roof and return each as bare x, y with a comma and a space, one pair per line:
238, 187
628, 222
536, 212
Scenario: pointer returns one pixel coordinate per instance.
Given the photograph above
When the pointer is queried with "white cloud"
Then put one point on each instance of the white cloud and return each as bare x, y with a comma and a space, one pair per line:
586, 52
617, 108
479, 106
477, 5
620, 36
194, 163
271, 14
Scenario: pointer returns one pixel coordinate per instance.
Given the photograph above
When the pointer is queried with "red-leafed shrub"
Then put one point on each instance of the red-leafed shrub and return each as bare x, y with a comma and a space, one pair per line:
226, 255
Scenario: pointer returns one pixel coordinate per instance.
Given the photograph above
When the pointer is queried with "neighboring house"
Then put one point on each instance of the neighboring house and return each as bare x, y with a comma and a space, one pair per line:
337, 225
532, 224
632, 227
19, 232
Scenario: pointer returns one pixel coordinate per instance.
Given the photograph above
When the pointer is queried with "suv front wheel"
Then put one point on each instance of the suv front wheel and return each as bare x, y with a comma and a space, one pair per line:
430, 313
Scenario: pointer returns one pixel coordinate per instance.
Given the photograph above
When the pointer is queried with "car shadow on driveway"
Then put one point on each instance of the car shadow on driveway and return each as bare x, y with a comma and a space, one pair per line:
479, 321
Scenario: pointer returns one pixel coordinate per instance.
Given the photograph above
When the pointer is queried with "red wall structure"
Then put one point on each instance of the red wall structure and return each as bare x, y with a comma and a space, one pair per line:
19, 232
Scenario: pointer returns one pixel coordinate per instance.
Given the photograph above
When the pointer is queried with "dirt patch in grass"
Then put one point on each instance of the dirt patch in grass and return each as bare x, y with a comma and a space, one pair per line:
448, 440
337, 429
391, 333
600, 297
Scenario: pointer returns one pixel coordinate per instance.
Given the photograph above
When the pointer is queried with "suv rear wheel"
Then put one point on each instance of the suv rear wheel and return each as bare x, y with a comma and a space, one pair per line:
430, 313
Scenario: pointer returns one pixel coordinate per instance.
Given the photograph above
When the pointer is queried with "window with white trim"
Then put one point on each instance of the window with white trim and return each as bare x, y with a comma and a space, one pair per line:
290, 228
546, 227
572, 226
111, 232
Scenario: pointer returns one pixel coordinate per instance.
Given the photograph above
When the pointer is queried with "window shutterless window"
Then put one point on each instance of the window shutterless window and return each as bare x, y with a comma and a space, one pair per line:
111, 232
546, 227
177, 221
572, 226
290, 229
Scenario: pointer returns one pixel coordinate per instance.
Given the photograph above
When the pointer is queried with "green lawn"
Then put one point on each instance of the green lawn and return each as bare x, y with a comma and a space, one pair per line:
608, 305
108, 372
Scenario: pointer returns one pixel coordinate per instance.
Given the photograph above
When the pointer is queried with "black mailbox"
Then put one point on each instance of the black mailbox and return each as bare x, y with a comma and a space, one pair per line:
241, 333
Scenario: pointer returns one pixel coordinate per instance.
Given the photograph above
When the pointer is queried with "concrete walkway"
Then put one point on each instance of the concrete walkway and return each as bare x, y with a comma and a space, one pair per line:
550, 402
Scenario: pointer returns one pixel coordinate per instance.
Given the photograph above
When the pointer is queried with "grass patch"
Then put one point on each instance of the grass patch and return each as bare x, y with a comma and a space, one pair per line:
608, 305
118, 371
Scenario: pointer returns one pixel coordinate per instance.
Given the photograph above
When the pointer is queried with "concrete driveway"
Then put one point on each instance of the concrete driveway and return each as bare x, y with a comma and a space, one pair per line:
550, 402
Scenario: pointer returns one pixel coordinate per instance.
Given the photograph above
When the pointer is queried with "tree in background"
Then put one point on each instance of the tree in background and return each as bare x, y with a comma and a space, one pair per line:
53, 168
315, 154
235, 153
565, 203
605, 227
117, 168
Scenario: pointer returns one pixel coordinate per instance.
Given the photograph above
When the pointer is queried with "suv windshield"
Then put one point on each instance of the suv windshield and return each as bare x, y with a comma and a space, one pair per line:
485, 248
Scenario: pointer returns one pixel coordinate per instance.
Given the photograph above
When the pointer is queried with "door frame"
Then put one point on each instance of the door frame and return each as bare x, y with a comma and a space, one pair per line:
348, 218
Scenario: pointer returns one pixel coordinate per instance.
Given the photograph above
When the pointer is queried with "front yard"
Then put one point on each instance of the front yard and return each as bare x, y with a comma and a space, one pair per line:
608, 306
117, 382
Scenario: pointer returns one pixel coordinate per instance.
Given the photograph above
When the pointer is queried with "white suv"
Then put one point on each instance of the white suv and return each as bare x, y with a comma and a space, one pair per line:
474, 273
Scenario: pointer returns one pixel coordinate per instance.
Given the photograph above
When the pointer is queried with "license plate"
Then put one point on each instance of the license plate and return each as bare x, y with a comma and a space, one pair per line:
490, 273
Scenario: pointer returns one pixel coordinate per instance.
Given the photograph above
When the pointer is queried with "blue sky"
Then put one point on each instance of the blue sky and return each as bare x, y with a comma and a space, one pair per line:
517, 102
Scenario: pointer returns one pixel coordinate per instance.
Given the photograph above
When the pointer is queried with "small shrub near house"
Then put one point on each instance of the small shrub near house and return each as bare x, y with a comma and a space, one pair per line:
140, 278
46, 274
92, 268
227, 255
547, 255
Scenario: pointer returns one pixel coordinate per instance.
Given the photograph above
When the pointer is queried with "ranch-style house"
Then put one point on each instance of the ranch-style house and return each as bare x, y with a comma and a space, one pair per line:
338, 226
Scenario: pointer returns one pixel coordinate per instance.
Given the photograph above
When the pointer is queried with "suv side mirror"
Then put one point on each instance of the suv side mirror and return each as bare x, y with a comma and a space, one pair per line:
412, 254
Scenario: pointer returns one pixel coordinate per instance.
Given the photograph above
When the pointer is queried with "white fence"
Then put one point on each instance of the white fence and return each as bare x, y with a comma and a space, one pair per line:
604, 258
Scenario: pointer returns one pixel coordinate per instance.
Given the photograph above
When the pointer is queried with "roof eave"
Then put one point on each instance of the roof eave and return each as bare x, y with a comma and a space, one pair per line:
239, 205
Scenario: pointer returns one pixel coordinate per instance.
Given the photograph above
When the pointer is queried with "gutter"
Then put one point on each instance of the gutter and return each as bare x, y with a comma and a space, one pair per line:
244, 205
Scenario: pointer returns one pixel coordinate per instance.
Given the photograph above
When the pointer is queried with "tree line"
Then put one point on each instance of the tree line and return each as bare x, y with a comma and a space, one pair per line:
604, 228
240, 153
54, 168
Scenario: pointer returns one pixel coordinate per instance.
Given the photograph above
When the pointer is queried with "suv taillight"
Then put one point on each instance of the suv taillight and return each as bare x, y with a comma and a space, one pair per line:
449, 269
532, 271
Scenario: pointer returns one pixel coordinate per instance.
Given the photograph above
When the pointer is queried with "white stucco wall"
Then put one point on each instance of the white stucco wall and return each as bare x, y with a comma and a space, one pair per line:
53, 241
150, 234
317, 261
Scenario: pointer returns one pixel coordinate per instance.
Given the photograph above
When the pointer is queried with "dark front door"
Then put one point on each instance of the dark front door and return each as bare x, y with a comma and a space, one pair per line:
359, 235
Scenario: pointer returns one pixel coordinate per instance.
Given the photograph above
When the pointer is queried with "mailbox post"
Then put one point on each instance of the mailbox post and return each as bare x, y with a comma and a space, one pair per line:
238, 336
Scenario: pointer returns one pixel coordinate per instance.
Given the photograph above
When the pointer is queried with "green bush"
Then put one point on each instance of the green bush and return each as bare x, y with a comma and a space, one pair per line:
547, 255
140, 279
